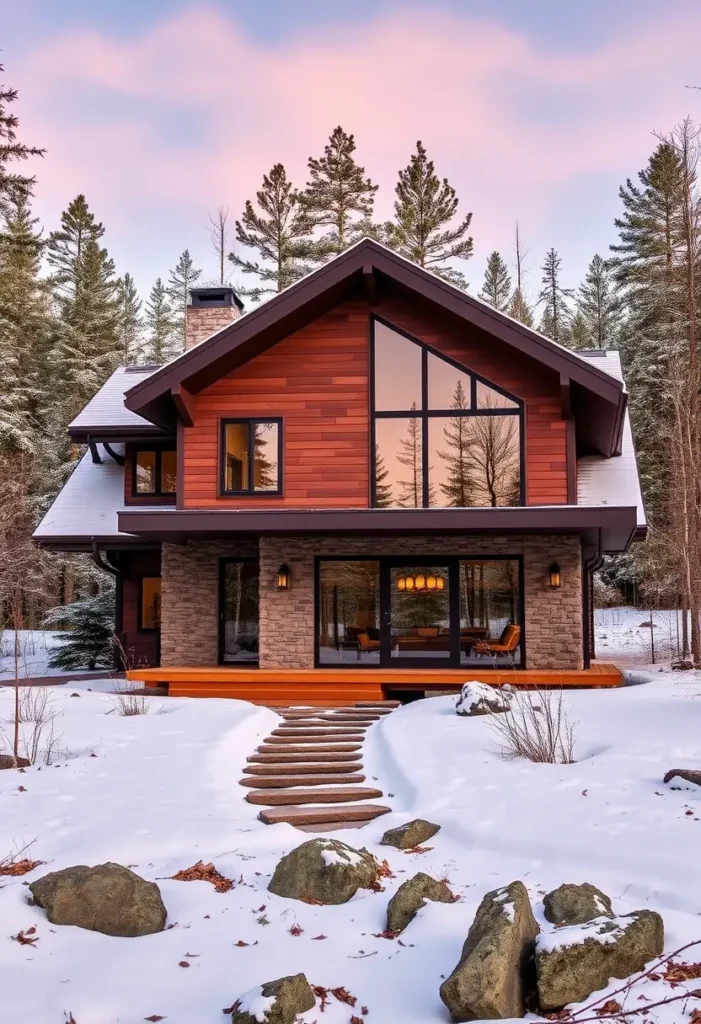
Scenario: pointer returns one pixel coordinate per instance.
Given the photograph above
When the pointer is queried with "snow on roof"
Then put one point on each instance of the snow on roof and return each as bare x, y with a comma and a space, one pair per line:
107, 409
87, 505
612, 481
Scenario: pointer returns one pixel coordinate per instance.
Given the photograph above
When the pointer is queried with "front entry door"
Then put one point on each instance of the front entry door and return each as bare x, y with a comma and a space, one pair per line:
419, 621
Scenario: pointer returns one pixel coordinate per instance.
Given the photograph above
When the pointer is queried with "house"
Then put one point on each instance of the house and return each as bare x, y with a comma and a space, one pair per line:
371, 482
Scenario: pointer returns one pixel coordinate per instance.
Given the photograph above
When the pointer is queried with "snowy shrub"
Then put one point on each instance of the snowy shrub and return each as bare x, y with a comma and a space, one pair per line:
536, 727
129, 702
34, 703
87, 640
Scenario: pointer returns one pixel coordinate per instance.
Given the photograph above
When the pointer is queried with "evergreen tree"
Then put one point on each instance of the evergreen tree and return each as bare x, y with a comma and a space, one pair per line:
519, 308
410, 455
87, 631
25, 331
87, 343
15, 188
130, 320
424, 208
457, 490
338, 196
556, 312
278, 232
383, 487
181, 280
579, 334
599, 305
163, 341
496, 289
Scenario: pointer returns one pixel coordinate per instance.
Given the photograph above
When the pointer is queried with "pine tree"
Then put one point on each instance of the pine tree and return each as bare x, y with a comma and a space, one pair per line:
181, 280
338, 196
15, 188
163, 341
556, 314
278, 232
424, 208
599, 305
25, 332
519, 308
579, 335
496, 289
87, 629
87, 344
458, 488
410, 455
383, 487
130, 320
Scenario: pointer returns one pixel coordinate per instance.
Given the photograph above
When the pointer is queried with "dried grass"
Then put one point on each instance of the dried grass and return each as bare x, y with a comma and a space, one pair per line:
536, 727
129, 702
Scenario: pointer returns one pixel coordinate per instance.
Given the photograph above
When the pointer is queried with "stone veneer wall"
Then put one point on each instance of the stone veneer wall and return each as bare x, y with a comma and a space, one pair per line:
190, 598
189, 610
553, 618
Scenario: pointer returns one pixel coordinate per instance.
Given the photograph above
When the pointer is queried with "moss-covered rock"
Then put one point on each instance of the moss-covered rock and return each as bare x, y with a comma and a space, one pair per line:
107, 898
276, 1002
489, 981
323, 871
414, 833
575, 904
411, 896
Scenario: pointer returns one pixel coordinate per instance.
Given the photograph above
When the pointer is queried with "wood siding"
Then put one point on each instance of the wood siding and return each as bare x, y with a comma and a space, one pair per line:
317, 380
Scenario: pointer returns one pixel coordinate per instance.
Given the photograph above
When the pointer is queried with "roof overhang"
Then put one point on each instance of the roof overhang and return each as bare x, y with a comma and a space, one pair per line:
607, 528
147, 432
375, 269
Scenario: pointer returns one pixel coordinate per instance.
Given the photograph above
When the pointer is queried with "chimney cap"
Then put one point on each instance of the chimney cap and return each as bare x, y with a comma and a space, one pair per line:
215, 296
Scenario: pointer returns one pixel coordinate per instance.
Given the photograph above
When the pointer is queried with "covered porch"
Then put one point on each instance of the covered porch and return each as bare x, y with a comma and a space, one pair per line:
320, 687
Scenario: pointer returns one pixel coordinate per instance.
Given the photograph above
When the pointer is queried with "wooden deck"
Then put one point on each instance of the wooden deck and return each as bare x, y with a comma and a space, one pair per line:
338, 687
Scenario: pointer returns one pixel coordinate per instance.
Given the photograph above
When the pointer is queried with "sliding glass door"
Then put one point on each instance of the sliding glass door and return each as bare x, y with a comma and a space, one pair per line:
238, 611
418, 622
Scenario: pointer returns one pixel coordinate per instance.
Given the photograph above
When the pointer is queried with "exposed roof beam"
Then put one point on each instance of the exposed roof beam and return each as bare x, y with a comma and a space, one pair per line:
184, 404
119, 459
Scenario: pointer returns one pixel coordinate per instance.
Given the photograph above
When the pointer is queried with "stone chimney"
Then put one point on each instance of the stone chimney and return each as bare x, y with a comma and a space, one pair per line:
209, 310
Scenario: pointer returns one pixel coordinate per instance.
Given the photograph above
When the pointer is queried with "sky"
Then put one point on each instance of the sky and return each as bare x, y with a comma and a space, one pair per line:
162, 110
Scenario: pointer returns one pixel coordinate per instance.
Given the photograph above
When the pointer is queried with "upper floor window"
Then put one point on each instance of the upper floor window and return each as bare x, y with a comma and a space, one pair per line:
251, 456
442, 436
155, 471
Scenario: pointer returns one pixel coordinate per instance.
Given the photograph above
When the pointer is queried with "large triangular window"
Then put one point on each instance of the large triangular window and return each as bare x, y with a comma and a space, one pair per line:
441, 435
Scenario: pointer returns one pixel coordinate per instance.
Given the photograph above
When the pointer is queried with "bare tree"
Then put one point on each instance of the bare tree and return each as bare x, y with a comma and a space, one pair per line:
219, 234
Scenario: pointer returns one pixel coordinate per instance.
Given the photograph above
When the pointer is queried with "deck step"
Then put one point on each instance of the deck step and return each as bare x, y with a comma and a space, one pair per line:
288, 781
332, 795
326, 720
314, 755
352, 737
295, 768
307, 730
324, 816
385, 705
304, 748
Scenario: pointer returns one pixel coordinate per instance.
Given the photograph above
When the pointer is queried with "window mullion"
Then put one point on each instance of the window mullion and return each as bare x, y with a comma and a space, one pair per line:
251, 453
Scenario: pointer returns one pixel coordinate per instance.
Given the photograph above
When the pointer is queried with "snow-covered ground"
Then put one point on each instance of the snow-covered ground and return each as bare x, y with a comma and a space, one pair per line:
161, 793
35, 646
624, 635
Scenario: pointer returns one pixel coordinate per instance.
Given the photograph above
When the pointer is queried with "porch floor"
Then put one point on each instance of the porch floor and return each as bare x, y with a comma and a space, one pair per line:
320, 687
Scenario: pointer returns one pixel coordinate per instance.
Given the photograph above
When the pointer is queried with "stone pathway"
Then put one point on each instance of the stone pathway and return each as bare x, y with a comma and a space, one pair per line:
309, 771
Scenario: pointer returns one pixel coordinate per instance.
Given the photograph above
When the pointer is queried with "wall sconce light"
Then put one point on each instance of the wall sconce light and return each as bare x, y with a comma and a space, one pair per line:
555, 576
283, 577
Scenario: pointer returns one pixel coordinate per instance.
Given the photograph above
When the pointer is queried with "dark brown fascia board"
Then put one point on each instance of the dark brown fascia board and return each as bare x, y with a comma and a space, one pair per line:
618, 523
115, 435
86, 543
355, 262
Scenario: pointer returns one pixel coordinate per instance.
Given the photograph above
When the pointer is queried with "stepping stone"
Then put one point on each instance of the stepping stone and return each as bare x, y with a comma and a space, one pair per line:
332, 795
325, 816
323, 748
313, 740
303, 769
287, 781
323, 723
295, 758
307, 731
383, 705
347, 720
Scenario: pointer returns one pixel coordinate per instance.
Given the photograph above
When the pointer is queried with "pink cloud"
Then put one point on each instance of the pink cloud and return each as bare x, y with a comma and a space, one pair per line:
508, 122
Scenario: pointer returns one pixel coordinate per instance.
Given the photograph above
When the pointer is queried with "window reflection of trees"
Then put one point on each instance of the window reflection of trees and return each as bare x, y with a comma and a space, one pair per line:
349, 611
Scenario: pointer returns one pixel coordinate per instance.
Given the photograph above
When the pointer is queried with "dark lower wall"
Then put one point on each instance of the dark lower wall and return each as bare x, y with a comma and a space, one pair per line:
141, 647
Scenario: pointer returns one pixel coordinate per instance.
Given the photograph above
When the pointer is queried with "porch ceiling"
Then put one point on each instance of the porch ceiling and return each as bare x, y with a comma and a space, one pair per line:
612, 528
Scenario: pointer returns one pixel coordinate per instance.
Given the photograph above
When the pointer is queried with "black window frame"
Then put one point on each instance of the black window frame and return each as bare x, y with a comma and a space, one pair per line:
250, 491
225, 560
424, 414
158, 492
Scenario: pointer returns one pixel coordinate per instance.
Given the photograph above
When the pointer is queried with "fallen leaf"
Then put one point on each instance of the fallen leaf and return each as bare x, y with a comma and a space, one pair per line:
322, 994
364, 1010
419, 849
201, 872
386, 934
27, 938
21, 789
609, 1007
183, 963
296, 930
20, 867
317, 937
344, 996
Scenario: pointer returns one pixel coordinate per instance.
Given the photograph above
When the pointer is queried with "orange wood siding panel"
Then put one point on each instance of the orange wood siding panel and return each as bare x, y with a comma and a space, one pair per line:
317, 380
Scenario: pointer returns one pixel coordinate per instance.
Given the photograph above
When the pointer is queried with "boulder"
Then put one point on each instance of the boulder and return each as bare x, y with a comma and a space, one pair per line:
411, 896
414, 833
686, 774
8, 761
276, 1002
108, 898
323, 871
576, 904
574, 961
489, 981
683, 665
482, 699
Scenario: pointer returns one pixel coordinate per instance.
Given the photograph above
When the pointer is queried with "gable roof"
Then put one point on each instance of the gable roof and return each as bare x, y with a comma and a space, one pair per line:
373, 266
